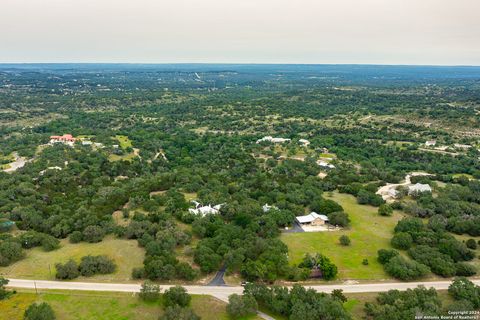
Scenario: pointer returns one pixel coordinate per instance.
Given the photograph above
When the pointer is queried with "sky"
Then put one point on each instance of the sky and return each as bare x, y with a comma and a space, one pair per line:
433, 32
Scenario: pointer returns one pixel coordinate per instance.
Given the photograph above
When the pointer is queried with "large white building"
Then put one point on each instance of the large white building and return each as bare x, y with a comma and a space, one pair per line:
419, 188
305, 142
204, 210
325, 164
273, 140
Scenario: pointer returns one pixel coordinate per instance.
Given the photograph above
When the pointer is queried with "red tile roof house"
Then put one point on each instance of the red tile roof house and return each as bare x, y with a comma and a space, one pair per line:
67, 139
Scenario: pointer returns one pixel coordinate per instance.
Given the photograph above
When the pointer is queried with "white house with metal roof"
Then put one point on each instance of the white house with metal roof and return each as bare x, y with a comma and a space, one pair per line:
419, 188
313, 219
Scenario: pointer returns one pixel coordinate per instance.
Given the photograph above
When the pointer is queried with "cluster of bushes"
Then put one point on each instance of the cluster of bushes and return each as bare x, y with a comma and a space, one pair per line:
334, 211
89, 266
10, 251
241, 306
412, 303
455, 209
364, 194
39, 311
11, 248
3, 292
321, 264
90, 234
176, 301
430, 247
298, 302
159, 235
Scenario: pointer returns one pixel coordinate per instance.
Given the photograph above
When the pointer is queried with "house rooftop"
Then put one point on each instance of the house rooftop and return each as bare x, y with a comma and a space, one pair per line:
311, 217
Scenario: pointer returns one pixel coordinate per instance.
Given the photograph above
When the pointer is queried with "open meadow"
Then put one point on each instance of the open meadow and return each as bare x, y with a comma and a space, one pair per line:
368, 232
39, 264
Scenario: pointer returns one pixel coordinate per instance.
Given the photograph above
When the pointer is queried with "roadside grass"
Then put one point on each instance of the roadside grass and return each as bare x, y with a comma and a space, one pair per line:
39, 264
368, 232
92, 305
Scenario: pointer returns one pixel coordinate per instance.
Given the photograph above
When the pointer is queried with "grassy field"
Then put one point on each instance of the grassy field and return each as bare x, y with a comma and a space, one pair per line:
39, 264
124, 141
87, 305
126, 157
369, 232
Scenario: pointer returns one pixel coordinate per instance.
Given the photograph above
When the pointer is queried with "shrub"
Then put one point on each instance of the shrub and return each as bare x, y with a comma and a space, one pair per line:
464, 269
10, 252
471, 244
402, 240
91, 265
3, 292
241, 306
408, 304
338, 294
410, 225
185, 271
93, 234
176, 296
149, 291
385, 210
179, 313
138, 273
438, 262
41, 311
345, 240
385, 255
76, 237
365, 262
339, 218
328, 269
67, 271
50, 243
404, 269
463, 289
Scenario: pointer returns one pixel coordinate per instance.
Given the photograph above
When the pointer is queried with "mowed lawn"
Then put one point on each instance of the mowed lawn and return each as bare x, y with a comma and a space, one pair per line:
86, 305
39, 264
368, 232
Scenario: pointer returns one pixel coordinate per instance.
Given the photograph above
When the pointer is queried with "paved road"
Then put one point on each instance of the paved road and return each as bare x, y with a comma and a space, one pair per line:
220, 292
218, 279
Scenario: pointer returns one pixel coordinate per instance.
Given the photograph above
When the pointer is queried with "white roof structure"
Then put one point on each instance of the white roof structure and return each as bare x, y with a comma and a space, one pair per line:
273, 140
266, 207
204, 210
325, 164
86, 142
49, 168
430, 143
462, 146
311, 217
419, 187
305, 142
392, 192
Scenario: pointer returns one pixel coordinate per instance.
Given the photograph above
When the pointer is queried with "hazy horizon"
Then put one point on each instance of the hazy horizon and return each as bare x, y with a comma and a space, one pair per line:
374, 32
